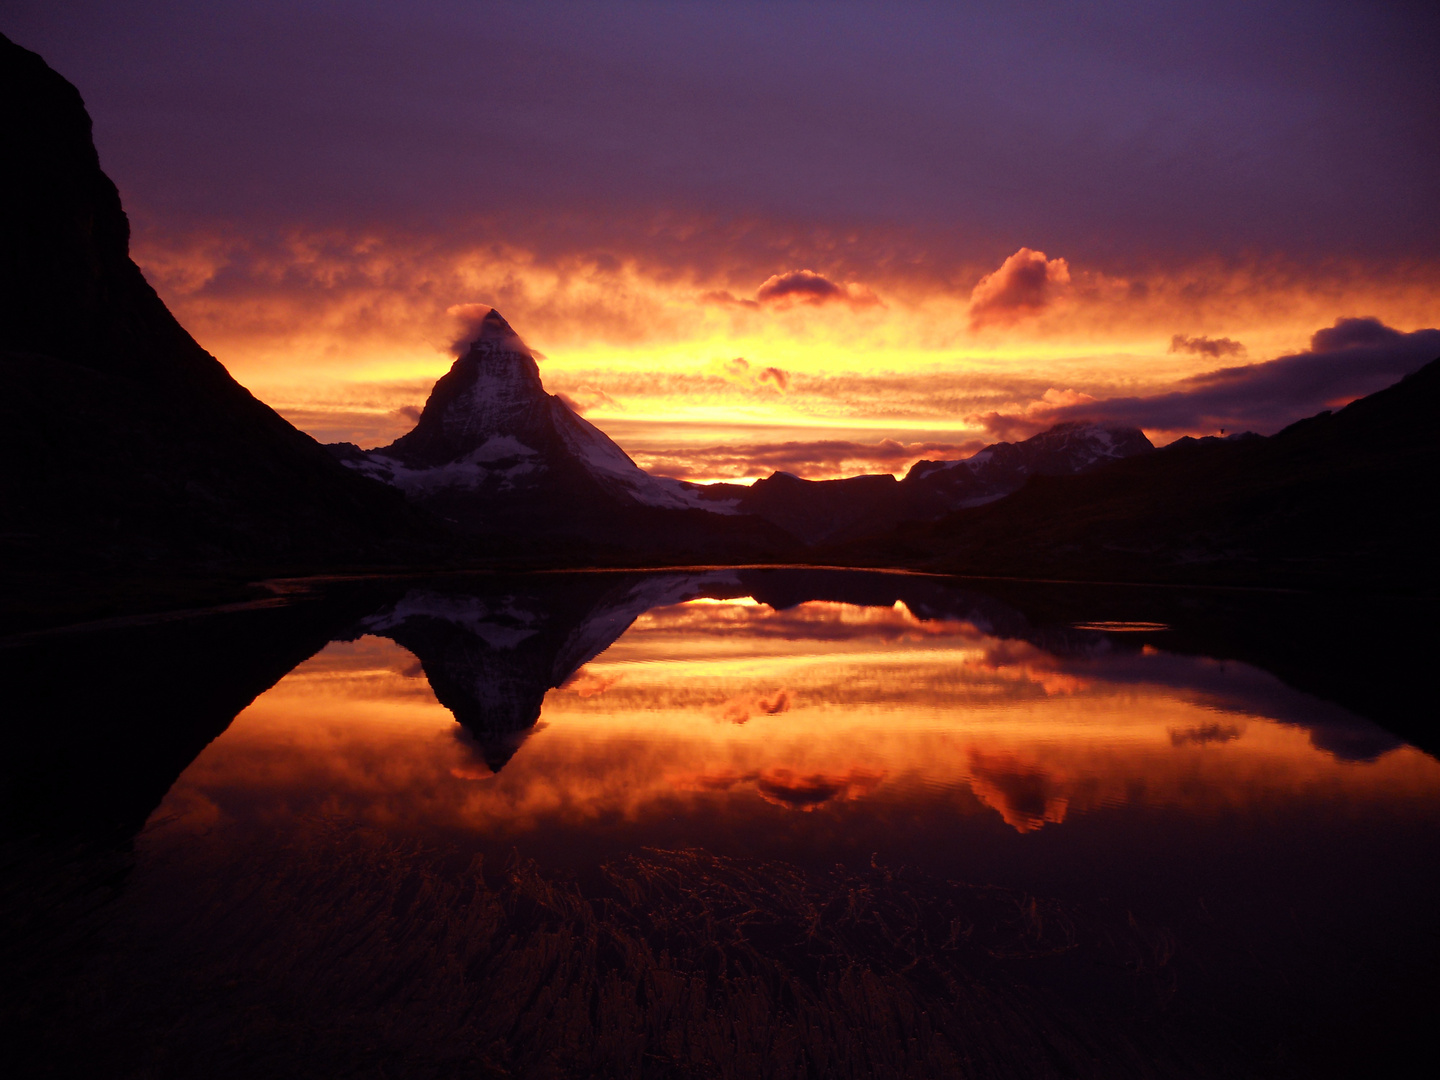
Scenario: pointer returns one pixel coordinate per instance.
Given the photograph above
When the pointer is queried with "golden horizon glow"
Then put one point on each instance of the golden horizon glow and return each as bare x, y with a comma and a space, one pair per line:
345, 336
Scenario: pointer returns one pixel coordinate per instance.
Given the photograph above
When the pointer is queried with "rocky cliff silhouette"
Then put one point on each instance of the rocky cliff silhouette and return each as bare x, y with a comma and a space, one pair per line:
127, 445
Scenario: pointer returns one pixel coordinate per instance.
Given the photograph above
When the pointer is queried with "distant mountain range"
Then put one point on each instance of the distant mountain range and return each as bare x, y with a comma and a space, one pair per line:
1347, 500
826, 511
495, 455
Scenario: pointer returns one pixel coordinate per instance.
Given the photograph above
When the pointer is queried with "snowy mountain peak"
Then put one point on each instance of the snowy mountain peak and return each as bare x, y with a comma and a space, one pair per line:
490, 437
1063, 450
493, 390
495, 335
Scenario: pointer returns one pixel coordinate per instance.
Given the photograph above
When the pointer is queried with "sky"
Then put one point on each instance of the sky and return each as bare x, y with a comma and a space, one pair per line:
828, 238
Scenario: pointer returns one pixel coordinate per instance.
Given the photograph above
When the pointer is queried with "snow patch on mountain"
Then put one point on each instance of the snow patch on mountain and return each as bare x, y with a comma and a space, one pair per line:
489, 428
502, 625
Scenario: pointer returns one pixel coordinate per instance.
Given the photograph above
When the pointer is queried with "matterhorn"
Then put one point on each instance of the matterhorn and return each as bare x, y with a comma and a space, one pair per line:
498, 457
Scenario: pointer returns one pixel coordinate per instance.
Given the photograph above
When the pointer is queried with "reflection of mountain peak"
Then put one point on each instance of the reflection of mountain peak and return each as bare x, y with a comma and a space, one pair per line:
491, 657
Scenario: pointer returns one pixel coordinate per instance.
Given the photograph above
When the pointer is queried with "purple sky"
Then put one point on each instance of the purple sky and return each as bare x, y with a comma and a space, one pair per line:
1127, 132
314, 185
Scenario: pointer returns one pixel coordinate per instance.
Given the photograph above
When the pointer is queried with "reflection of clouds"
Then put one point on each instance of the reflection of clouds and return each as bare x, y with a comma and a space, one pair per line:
1026, 795
1205, 733
816, 620
587, 683
934, 706
789, 788
738, 710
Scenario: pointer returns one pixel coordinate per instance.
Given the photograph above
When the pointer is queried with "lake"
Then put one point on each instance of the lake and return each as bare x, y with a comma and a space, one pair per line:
728, 822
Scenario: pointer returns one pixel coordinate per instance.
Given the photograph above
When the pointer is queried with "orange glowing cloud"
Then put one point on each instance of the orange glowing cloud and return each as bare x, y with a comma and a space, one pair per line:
1026, 796
343, 332
1026, 284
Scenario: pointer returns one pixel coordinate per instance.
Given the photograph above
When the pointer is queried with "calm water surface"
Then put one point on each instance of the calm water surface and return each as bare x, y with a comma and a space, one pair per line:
1259, 863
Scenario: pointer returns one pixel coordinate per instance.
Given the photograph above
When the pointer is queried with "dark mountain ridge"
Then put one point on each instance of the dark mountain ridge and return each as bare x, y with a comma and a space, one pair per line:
131, 449
832, 511
1340, 500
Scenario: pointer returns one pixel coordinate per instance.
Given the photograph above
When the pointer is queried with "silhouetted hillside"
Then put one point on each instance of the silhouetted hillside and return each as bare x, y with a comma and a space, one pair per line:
127, 446
832, 511
1342, 500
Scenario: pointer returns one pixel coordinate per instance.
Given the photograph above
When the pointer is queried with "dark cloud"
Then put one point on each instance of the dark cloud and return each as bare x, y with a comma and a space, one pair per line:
1026, 283
808, 287
1353, 333
803, 285
1353, 358
797, 287
1205, 346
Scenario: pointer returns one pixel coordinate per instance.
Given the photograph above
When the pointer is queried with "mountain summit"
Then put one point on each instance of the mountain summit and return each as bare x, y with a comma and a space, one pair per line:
492, 394
495, 454
489, 434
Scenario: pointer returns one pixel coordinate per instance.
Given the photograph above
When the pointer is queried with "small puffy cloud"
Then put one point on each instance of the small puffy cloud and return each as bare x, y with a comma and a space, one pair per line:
797, 287
467, 324
803, 285
1367, 332
1205, 346
741, 372
584, 398
1026, 284
1352, 358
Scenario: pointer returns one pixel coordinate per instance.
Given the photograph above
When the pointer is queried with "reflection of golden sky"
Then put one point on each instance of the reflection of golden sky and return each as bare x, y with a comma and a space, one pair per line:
341, 333
755, 707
